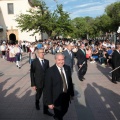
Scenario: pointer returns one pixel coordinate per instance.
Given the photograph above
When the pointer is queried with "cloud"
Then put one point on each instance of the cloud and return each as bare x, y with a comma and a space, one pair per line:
69, 1
87, 4
90, 9
82, 8
94, 10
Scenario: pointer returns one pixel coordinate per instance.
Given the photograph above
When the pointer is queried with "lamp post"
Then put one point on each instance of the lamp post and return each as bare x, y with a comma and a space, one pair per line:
118, 31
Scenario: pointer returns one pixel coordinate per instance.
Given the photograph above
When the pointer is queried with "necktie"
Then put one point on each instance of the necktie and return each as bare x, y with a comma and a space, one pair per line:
70, 53
43, 64
64, 82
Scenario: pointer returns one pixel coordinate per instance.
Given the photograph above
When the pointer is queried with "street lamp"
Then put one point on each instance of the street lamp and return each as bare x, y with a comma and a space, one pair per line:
118, 31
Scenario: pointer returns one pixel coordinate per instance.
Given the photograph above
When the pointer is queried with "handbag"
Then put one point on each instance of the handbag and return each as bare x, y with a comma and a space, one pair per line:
87, 56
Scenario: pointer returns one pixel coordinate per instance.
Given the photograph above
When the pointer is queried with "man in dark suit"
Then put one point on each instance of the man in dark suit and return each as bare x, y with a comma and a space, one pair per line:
69, 56
58, 87
37, 74
81, 62
115, 64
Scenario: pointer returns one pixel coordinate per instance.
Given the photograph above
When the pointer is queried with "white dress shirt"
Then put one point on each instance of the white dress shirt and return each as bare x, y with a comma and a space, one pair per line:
41, 61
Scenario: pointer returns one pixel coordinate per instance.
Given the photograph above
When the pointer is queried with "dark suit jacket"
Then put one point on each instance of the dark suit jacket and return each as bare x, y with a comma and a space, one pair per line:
37, 73
81, 57
53, 87
116, 62
68, 59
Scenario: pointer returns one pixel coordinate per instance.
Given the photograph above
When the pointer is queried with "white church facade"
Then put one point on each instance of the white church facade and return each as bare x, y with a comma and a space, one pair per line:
9, 9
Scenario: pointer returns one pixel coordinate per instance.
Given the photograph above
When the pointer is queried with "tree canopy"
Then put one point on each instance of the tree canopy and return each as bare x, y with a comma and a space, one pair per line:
58, 22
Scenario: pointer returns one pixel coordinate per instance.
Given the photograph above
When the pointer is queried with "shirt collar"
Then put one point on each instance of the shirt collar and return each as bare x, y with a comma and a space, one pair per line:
41, 59
59, 67
68, 50
118, 51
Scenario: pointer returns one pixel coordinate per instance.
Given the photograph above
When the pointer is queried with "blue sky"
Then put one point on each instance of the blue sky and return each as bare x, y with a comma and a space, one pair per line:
81, 8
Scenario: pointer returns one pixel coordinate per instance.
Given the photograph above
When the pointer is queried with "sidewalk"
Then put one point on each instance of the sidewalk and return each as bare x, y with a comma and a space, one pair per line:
96, 98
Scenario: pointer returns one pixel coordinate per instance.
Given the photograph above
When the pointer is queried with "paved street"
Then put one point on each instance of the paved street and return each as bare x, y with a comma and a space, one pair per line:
96, 98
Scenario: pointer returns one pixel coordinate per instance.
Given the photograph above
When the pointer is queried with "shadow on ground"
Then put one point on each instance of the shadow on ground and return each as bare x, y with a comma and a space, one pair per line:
105, 71
17, 101
101, 100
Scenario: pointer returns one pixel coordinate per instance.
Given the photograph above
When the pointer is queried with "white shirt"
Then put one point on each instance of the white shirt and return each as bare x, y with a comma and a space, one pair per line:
32, 49
3, 47
41, 60
64, 74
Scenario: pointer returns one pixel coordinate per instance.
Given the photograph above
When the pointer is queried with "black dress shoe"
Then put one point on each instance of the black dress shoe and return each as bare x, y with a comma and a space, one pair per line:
37, 106
83, 78
80, 79
57, 118
114, 82
48, 113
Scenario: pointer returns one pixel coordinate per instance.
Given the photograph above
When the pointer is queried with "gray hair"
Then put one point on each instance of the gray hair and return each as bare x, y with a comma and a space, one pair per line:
59, 53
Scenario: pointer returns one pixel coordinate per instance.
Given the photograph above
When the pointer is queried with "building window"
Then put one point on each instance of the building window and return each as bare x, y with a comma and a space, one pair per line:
10, 8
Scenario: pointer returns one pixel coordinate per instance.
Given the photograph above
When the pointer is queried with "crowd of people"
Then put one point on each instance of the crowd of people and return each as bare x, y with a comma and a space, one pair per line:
100, 51
55, 82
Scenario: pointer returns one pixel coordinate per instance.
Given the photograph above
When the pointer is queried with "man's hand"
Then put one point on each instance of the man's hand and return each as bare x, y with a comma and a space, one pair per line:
80, 66
34, 88
51, 107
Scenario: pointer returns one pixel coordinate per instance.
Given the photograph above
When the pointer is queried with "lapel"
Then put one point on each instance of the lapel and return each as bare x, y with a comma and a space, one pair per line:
69, 54
82, 51
56, 71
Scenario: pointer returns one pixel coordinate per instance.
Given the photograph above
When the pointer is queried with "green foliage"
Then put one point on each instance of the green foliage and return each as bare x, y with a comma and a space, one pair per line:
83, 27
42, 20
63, 22
113, 11
58, 22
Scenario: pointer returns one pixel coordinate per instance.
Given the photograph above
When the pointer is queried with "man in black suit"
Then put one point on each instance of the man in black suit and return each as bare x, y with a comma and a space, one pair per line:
37, 74
81, 62
115, 64
58, 87
69, 56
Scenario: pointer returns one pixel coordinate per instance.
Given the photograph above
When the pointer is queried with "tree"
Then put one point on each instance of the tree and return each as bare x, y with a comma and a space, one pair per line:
113, 11
40, 19
83, 27
63, 22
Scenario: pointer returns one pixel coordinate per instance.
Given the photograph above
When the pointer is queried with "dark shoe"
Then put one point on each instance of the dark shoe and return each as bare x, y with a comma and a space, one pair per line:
37, 106
114, 82
83, 78
57, 118
19, 67
48, 113
80, 79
